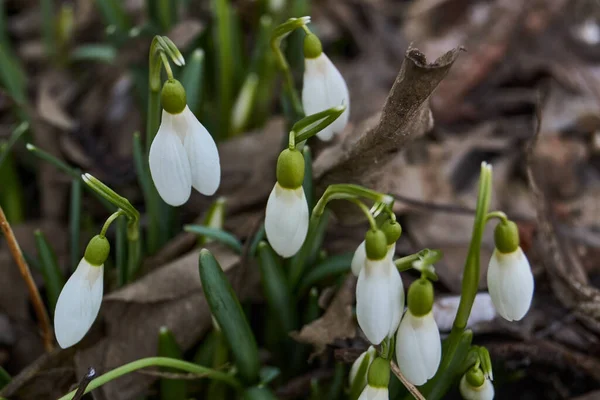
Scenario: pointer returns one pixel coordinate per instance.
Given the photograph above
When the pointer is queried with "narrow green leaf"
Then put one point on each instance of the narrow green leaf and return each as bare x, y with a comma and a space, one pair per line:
53, 160
337, 384
225, 63
309, 190
216, 389
48, 28
310, 249
75, 222
167, 10
259, 393
192, 80
215, 218
53, 277
204, 354
229, 314
114, 15
5, 378
276, 289
12, 198
14, 138
94, 52
312, 310
170, 389
121, 251
260, 235
268, 374
219, 235
333, 266
244, 104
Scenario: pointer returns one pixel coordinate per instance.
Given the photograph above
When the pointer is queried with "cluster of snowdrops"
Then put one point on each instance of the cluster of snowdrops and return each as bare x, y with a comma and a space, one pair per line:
183, 155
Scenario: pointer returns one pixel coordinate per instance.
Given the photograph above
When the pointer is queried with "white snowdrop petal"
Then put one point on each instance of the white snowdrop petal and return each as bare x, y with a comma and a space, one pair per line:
377, 299
202, 154
418, 348
484, 392
169, 165
374, 393
356, 364
324, 87
78, 304
338, 95
445, 309
359, 258
396, 296
510, 283
286, 220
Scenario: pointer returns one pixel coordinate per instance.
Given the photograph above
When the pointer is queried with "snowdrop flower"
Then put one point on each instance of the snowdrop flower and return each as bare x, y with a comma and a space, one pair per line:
324, 87
366, 357
418, 344
286, 218
379, 291
392, 231
183, 154
509, 277
378, 380
474, 386
79, 301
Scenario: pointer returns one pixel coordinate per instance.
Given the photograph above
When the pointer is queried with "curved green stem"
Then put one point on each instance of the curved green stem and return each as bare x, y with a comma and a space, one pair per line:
497, 214
158, 362
348, 191
166, 65
110, 220
365, 211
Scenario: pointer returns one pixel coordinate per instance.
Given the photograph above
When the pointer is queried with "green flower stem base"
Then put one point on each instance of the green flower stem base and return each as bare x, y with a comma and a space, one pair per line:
203, 372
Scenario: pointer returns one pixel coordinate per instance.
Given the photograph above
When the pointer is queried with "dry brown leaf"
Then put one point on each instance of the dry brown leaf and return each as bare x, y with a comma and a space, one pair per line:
336, 323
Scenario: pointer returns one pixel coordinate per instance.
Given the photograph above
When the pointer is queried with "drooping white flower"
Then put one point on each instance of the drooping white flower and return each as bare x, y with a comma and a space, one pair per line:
483, 392
418, 347
324, 87
510, 283
360, 257
379, 299
183, 154
286, 219
374, 393
445, 309
78, 304
369, 354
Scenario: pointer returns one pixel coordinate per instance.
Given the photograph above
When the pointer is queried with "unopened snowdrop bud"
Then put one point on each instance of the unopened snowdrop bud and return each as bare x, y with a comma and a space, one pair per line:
79, 301
324, 87
418, 344
509, 277
363, 362
183, 154
474, 386
286, 217
379, 290
378, 380
392, 231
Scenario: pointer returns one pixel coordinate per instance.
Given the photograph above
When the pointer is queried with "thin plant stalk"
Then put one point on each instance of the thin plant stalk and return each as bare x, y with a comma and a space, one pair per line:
36, 299
203, 372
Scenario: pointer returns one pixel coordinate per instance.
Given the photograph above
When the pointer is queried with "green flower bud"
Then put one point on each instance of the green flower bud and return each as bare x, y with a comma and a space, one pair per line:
420, 297
475, 377
506, 237
375, 244
392, 230
379, 373
97, 250
312, 46
173, 97
290, 169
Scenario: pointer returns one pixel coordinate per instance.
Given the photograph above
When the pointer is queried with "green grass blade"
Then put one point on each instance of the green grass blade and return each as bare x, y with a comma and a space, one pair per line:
114, 14
53, 277
14, 138
230, 316
11, 197
170, 389
48, 26
75, 222
192, 80
308, 184
331, 267
121, 251
276, 289
219, 235
225, 63
94, 52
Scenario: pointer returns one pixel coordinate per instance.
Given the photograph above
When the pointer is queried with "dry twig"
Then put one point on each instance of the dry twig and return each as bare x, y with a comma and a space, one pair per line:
36, 299
409, 386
